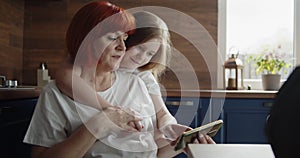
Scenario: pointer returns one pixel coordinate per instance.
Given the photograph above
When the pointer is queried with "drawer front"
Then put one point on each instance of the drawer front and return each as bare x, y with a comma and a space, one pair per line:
15, 111
185, 110
245, 120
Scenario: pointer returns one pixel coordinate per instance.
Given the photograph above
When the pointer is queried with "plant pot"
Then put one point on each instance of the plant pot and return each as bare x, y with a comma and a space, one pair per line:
271, 82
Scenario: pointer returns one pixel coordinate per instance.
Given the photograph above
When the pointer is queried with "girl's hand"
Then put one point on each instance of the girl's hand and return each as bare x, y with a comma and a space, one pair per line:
136, 124
123, 117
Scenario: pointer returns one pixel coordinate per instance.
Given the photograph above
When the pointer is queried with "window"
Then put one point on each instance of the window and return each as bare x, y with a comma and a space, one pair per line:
246, 27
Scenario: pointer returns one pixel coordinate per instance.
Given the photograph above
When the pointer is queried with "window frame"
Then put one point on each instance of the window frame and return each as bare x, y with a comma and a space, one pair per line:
255, 83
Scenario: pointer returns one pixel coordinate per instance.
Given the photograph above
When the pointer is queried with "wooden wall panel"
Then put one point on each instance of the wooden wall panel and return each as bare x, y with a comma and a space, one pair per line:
44, 31
11, 38
205, 12
45, 23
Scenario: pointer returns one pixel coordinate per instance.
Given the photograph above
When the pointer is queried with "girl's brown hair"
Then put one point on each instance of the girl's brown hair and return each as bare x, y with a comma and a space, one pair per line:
149, 26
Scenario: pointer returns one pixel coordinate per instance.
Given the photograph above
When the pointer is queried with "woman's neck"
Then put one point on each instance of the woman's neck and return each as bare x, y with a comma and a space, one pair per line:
104, 80
100, 80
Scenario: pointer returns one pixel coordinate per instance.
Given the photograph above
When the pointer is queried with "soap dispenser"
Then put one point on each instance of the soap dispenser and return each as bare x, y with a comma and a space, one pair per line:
42, 75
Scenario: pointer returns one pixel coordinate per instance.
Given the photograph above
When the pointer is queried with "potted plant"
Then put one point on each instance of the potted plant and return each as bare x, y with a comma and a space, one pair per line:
269, 63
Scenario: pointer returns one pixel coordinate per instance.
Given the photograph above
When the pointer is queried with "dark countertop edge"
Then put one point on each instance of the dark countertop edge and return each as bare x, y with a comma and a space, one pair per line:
259, 94
19, 94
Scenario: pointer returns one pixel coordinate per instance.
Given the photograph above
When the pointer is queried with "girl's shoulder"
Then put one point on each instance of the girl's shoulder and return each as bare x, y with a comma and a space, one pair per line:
146, 76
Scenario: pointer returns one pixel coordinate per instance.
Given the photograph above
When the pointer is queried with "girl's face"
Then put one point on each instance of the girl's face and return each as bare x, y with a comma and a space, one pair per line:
141, 54
114, 50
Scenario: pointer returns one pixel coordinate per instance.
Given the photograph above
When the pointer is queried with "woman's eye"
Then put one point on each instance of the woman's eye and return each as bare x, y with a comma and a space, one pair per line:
113, 38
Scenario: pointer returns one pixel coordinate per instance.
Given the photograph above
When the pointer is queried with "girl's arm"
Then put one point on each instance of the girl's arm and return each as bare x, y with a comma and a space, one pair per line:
76, 146
168, 129
166, 123
82, 92
163, 115
79, 90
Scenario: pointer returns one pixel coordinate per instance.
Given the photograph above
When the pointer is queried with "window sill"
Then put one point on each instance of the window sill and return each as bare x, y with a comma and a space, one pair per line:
256, 84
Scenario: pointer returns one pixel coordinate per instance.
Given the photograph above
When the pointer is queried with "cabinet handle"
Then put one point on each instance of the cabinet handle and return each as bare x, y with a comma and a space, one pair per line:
268, 104
178, 103
7, 109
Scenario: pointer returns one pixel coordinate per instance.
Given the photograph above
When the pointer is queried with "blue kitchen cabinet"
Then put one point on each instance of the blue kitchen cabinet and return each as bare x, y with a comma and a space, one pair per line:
244, 120
185, 110
15, 116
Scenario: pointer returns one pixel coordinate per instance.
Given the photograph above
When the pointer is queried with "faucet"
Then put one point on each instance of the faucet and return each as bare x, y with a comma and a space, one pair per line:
3, 81
8, 83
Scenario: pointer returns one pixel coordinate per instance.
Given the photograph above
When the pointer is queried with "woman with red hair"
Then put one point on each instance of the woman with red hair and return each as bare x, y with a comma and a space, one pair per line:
61, 127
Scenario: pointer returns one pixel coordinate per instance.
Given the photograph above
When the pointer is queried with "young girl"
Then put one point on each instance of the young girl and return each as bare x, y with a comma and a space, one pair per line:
148, 61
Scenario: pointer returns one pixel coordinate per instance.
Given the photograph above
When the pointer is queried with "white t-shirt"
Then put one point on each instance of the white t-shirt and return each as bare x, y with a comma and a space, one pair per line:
56, 117
154, 89
148, 78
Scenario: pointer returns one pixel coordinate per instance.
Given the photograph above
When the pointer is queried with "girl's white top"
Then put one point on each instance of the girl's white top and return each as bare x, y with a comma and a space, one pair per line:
148, 78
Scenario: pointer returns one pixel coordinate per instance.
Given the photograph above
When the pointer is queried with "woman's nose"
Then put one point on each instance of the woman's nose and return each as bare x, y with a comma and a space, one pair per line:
121, 44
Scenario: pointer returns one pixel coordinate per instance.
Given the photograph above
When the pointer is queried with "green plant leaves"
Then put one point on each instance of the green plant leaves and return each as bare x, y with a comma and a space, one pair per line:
268, 62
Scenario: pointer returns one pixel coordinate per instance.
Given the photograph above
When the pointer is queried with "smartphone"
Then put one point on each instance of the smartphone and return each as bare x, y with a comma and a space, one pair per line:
187, 137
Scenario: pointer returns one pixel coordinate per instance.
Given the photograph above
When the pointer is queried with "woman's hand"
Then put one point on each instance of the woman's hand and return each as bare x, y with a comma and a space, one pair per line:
203, 139
113, 118
199, 139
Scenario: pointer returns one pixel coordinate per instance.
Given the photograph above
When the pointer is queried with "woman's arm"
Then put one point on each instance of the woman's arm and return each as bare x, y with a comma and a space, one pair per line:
75, 146
168, 151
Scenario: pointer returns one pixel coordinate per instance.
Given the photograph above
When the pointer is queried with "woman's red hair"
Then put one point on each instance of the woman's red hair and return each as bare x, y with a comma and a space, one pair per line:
89, 16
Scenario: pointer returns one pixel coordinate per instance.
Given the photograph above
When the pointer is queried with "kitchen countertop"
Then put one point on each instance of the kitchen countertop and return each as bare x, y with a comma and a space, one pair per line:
33, 92
24, 92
